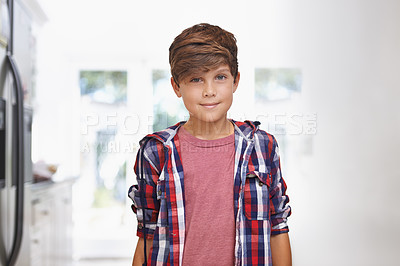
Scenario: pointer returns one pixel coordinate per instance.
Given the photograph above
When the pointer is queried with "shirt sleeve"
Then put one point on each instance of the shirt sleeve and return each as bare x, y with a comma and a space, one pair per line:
152, 156
280, 210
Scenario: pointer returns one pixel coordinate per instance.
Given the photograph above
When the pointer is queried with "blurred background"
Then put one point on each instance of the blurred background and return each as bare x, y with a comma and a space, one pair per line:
322, 76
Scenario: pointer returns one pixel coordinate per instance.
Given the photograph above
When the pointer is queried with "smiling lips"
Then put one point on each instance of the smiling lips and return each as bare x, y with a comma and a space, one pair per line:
209, 105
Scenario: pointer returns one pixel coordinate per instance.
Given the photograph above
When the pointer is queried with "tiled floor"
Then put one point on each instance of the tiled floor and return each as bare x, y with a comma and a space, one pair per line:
104, 262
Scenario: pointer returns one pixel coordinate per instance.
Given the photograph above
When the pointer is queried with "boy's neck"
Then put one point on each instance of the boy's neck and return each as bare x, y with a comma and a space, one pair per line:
209, 131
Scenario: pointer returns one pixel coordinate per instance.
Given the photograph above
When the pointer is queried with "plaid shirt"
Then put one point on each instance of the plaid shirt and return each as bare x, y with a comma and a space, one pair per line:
260, 202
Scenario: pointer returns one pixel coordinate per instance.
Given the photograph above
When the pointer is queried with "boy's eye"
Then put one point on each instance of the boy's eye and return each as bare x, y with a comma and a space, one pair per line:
221, 77
195, 80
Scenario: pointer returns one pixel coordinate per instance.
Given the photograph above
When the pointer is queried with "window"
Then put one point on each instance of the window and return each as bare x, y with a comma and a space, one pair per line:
168, 109
104, 86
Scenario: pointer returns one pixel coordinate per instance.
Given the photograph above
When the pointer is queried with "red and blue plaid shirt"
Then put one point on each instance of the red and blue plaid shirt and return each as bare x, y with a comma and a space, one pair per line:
260, 201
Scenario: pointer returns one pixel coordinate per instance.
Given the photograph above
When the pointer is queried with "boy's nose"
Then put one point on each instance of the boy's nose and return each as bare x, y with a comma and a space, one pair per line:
208, 90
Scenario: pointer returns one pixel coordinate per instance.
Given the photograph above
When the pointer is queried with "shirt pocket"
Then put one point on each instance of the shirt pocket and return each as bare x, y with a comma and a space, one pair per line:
256, 195
161, 196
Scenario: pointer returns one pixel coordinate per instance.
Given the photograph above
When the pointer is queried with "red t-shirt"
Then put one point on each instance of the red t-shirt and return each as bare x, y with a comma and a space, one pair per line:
208, 167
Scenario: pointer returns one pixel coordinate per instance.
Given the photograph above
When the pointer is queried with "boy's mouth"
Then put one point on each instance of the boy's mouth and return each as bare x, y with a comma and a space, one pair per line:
209, 105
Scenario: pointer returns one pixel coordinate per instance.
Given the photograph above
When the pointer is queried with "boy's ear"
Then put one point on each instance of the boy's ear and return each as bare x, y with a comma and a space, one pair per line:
236, 82
176, 88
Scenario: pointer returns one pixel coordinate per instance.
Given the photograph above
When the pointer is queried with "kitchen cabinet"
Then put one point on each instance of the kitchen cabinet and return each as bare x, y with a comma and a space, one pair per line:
51, 224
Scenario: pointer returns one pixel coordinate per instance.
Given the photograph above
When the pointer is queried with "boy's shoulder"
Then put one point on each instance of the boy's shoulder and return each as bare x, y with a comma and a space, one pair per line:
154, 144
249, 129
162, 136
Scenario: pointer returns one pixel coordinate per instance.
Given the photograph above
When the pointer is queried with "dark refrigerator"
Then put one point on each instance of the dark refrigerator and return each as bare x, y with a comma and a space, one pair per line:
15, 133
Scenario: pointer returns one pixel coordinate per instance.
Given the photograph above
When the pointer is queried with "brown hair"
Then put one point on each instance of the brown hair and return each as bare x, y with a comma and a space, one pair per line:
202, 47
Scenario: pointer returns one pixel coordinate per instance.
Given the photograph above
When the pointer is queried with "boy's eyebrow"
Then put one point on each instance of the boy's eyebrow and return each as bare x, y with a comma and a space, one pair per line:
199, 72
223, 69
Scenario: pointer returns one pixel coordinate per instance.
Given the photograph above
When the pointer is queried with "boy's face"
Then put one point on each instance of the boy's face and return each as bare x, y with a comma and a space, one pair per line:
207, 95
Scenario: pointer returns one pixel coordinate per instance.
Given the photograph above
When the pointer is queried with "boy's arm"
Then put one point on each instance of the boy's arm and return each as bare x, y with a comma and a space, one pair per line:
279, 208
280, 250
138, 258
149, 206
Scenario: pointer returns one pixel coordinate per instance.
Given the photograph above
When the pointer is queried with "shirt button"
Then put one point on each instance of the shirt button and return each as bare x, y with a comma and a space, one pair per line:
159, 193
260, 183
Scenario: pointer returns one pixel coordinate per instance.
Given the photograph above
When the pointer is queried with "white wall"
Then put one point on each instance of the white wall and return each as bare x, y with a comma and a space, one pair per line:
344, 192
349, 51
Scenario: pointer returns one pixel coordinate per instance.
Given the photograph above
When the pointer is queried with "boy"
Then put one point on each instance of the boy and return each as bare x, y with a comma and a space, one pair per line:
211, 188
